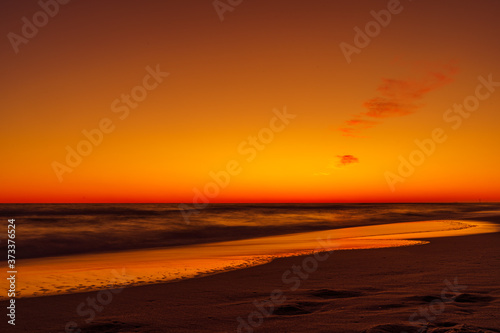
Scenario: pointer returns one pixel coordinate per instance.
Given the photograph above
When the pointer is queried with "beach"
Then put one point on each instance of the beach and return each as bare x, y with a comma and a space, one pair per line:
250, 166
450, 284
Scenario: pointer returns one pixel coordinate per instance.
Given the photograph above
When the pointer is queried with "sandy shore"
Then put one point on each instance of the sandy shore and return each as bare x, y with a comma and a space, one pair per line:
449, 285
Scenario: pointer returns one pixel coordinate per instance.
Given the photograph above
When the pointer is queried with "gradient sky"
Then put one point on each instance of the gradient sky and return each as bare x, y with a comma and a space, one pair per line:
353, 120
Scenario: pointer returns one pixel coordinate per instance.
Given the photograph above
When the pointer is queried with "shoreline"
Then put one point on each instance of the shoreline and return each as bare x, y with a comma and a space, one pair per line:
87, 273
351, 291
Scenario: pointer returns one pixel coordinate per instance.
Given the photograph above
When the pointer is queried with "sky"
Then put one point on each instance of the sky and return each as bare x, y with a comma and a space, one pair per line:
249, 101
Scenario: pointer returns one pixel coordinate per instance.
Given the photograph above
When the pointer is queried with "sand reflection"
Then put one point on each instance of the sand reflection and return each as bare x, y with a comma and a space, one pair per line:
78, 273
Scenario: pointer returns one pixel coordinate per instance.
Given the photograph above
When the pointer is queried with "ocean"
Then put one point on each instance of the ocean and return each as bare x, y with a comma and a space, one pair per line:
70, 248
64, 229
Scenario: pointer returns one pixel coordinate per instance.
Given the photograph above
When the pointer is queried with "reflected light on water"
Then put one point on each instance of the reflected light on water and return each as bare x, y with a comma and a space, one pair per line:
79, 273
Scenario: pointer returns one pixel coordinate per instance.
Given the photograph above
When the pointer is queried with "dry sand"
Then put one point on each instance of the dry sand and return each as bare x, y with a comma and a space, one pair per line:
452, 284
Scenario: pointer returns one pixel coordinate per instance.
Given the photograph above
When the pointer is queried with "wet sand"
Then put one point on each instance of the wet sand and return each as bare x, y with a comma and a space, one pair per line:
452, 283
93, 272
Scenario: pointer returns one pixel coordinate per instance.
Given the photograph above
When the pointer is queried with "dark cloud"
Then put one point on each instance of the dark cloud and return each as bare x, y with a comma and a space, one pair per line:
347, 159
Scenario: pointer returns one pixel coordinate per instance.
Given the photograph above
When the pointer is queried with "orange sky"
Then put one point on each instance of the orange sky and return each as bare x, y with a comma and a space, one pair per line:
350, 121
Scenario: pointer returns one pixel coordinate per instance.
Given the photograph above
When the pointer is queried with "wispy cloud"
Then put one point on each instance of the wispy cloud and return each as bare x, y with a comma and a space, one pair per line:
355, 125
336, 163
398, 97
382, 107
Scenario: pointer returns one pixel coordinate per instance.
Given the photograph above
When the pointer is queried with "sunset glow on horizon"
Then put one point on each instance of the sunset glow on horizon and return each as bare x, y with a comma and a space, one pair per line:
164, 102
